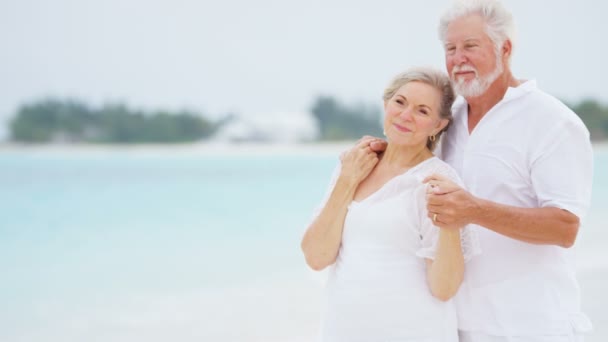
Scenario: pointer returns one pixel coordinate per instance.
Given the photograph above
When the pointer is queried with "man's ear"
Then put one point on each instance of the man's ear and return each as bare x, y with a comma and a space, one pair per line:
507, 49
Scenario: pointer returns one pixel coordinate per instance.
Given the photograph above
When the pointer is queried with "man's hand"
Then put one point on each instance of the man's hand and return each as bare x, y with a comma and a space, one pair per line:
449, 205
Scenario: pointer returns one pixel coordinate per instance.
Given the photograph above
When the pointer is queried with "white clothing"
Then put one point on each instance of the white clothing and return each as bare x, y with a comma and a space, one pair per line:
377, 288
479, 337
530, 151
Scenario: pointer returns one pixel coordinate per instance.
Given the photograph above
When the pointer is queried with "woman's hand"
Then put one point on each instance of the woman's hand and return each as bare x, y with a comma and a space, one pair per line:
376, 144
439, 185
359, 161
448, 204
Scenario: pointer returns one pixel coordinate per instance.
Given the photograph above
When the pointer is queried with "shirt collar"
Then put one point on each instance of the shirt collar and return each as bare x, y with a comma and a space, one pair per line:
512, 93
520, 90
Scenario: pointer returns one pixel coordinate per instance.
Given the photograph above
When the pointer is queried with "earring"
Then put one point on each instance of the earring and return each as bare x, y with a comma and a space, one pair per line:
432, 138
384, 132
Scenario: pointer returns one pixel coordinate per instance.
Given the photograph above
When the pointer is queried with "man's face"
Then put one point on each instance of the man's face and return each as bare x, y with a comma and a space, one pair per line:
470, 56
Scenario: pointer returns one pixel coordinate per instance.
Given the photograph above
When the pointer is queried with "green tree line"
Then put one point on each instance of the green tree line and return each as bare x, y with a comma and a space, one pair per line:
338, 121
72, 121
595, 117
54, 120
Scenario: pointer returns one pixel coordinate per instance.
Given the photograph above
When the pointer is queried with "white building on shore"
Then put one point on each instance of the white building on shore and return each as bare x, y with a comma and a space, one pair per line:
287, 127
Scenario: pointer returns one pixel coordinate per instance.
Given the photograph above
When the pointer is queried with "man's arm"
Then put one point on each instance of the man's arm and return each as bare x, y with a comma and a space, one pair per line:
547, 226
456, 207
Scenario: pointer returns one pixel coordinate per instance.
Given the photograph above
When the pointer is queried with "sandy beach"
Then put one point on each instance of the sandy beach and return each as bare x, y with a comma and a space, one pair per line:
260, 289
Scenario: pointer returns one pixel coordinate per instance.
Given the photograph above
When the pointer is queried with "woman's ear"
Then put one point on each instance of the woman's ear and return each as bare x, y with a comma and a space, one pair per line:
441, 125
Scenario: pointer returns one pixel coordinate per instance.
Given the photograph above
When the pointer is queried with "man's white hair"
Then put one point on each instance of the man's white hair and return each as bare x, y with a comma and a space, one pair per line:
499, 21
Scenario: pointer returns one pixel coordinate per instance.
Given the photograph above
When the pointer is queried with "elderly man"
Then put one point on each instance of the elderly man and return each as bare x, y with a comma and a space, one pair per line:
526, 161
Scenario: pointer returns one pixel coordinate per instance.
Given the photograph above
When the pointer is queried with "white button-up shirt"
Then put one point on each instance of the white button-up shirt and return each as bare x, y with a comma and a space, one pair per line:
530, 151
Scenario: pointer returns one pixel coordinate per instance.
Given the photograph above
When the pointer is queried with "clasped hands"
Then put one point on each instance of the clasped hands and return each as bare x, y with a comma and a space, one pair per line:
448, 204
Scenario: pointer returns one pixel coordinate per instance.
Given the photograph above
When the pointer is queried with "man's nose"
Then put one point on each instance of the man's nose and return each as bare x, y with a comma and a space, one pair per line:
459, 57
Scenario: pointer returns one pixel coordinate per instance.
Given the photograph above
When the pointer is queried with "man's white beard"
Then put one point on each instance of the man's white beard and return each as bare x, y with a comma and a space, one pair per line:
478, 85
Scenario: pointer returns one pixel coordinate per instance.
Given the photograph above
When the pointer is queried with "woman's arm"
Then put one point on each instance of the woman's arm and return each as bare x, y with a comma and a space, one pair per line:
322, 239
446, 271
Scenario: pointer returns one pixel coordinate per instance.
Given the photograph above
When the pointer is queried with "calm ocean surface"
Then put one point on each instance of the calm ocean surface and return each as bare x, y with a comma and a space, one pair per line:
128, 246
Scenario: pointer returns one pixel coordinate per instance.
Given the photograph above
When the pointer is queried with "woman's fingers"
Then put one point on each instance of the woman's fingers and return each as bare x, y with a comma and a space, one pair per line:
438, 184
378, 145
435, 177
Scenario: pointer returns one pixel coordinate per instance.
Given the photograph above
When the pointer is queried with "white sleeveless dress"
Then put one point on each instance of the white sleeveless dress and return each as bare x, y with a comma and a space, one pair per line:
377, 288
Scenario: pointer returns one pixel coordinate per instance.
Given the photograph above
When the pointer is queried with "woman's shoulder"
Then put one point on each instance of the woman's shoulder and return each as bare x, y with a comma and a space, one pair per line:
434, 165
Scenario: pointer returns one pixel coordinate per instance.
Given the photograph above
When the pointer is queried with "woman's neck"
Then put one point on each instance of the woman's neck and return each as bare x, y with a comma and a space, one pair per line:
402, 158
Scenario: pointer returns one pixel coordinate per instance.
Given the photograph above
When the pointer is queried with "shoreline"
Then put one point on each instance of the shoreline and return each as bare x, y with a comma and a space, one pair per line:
189, 149
199, 149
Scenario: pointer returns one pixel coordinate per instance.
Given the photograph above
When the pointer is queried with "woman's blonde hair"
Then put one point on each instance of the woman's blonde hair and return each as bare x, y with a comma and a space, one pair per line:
435, 78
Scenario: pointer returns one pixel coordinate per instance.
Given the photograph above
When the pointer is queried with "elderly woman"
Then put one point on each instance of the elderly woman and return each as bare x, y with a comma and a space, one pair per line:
392, 271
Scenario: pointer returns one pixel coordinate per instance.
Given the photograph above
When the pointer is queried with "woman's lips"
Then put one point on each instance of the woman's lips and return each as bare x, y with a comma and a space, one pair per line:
401, 128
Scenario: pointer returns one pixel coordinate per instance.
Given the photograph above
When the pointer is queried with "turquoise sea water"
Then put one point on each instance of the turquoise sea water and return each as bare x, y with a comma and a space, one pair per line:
120, 246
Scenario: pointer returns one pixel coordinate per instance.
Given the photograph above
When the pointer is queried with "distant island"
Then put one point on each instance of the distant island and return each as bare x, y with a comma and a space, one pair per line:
72, 121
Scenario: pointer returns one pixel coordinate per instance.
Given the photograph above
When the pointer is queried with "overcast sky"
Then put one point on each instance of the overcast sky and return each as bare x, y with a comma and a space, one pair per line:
262, 56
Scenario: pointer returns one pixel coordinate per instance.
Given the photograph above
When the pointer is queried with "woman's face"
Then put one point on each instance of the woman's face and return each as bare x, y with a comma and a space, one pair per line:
412, 114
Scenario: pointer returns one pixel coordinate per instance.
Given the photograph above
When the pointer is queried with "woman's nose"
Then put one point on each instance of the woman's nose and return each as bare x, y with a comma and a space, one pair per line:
406, 113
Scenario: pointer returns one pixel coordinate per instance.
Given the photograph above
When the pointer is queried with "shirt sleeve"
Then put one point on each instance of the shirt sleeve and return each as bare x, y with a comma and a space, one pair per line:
561, 168
429, 233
